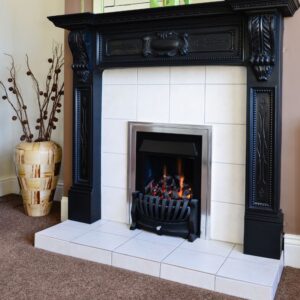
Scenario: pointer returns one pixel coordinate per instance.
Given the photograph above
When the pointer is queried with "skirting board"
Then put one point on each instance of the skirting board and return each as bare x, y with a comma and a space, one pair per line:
9, 185
292, 250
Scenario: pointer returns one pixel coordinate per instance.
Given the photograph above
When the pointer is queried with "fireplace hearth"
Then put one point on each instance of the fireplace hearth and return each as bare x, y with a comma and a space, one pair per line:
169, 167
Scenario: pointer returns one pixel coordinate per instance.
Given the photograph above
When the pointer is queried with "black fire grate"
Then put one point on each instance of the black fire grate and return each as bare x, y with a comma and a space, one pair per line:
164, 216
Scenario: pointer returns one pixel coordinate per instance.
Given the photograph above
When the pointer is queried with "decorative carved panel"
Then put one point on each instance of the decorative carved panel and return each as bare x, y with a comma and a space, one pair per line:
263, 138
262, 45
82, 135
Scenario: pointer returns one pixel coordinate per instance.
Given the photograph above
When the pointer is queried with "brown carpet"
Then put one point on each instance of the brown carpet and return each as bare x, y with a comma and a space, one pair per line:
29, 273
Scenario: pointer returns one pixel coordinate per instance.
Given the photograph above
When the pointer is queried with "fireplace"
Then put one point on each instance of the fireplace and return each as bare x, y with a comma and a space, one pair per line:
231, 32
169, 178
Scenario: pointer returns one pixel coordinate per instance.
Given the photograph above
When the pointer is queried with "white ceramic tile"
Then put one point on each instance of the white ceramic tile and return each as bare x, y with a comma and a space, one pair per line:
226, 75
98, 223
114, 170
136, 264
237, 253
243, 289
186, 276
195, 260
114, 205
163, 239
187, 104
227, 222
50, 244
154, 75
92, 254
80, 225
65, 232
153, 103
225, 104
188, 75
121, 229
252, 272
119, 101
209, 246
145, 249
229, 144
120, 76
222, 189
101, 240
114, 136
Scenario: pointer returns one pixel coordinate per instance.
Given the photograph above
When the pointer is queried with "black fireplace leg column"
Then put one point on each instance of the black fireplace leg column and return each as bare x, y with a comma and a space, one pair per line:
263, 217
85, 193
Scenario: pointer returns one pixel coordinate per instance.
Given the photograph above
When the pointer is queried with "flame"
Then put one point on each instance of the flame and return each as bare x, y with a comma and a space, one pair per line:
181, 181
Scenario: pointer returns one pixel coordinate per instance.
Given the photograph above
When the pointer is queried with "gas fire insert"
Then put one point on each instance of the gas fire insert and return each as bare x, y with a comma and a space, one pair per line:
169, 178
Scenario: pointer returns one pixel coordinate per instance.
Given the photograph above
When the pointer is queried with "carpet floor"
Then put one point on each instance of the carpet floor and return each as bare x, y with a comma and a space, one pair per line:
29, 273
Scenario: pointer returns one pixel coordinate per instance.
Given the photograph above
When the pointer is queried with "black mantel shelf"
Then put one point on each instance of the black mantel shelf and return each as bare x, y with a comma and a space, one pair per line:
231, 32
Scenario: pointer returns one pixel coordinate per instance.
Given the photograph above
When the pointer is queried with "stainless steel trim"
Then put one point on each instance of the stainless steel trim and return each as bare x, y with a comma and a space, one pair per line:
200, 130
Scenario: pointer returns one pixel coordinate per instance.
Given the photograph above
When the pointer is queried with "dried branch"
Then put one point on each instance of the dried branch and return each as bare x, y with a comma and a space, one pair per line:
48, 101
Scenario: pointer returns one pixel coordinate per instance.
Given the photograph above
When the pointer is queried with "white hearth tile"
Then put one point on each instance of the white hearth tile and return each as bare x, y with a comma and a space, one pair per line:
112, 198
114, 136
242, 289
50, 244
153, 103
145, 249
65, 232
252, 272
92, 254
188, 75
119, 102
186, 276
225, 104
84, 226
187, 104
195, 260
227, 222
229, 144
237, 253
163, 239
101, 240
209, 247
121, 229
222, 189
114, 170
136, 264
154, 75
226, 75
120, 76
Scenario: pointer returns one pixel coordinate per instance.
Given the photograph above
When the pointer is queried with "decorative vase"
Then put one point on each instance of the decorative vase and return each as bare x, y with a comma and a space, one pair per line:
37, 167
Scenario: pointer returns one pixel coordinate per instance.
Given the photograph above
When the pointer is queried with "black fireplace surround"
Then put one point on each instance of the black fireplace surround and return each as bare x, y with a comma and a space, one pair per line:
232, 32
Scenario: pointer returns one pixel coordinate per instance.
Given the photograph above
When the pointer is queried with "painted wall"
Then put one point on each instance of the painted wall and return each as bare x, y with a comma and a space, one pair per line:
24, 28
290, 186
290, 175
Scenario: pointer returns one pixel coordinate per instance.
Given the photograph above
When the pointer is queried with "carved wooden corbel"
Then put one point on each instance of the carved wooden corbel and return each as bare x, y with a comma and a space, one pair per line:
262, 45
78, 48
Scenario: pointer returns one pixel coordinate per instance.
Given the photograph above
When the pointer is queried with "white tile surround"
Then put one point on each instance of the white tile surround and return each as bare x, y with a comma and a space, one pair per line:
208, 264
211, 95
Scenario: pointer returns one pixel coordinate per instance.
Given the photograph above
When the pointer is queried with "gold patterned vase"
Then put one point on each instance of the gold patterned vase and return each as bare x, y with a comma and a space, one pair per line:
37, 168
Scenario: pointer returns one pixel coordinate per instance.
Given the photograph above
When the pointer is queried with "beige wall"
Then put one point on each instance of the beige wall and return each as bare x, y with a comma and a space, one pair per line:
290, 181
290, 187
24, 29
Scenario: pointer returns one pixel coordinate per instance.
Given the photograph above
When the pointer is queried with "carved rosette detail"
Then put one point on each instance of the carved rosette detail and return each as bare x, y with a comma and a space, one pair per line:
166, 44
262, 45
78, 48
